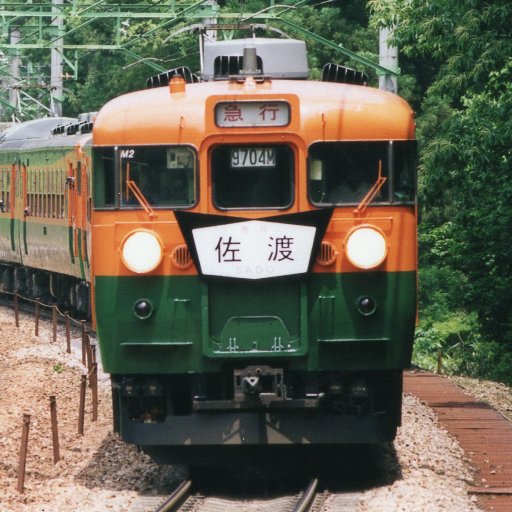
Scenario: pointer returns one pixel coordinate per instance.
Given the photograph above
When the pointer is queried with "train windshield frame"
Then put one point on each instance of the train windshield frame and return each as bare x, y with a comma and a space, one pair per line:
342, 172
252, 176
126, 177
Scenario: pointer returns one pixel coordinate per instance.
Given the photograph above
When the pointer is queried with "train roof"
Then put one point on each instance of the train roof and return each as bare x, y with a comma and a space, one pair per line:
41, 133
35, 129
321, 111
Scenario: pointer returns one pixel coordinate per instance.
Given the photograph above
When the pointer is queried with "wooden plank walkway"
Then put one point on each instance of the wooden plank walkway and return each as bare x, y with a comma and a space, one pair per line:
483, 433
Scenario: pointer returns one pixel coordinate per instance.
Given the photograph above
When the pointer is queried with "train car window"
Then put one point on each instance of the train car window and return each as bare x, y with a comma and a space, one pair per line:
49, 176
2, 191
342, 173
52, 193
249, 177
40, 194
48, 186
79, 177
19, 182
43, 193
404, 171
103, 177
28, 195
162, 176
63, 211
35, 211
56, 193
5, 186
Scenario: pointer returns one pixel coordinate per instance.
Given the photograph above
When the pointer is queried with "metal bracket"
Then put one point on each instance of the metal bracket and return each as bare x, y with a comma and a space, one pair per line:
257, 387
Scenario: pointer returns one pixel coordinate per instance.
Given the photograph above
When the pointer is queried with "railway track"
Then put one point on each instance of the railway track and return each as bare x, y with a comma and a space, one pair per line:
462, 415
308, 500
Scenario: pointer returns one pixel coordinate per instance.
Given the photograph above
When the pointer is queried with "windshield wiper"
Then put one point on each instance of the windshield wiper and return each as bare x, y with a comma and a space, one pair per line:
132, 187
374, 190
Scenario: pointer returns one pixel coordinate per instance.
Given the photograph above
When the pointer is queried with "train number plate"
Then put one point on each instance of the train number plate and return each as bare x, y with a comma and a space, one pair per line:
253, 157
252, 113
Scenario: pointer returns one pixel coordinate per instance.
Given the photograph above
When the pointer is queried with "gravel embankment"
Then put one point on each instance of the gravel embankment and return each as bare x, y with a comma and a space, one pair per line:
99, 473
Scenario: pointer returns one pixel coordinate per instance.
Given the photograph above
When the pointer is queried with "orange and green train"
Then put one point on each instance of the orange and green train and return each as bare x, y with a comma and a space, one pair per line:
45, 211
253, 256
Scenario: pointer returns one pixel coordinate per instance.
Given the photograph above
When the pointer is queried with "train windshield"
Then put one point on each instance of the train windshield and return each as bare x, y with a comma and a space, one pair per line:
159, 176
248, 177
342, 173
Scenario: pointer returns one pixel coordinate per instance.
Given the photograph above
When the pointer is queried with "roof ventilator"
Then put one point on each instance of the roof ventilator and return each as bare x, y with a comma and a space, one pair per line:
343, 75
238, 66
84, 124
164, 79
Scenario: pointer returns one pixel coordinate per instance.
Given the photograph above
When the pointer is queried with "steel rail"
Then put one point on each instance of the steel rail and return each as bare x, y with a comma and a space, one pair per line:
308, 497
174, 500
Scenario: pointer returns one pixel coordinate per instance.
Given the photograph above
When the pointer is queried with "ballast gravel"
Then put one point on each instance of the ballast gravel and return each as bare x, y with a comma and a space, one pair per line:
97, 472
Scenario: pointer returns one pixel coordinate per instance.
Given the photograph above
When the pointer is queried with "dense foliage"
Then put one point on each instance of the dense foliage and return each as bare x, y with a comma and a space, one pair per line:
465, 177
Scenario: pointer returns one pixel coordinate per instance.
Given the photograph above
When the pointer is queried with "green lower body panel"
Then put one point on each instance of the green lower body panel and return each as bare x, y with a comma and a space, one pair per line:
326, 322
40, 245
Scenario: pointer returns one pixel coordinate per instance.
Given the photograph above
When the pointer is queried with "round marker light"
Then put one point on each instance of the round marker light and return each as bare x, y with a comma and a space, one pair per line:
366, 247
366, 305
141, 251
143, 309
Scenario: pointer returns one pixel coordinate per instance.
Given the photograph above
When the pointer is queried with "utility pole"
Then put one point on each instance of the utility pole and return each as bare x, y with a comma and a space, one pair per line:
14, 79
44, 25
388, 58
211, 34
57, 60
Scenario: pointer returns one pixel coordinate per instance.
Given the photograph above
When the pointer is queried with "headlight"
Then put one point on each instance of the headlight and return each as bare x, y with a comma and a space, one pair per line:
141, 251
366, 247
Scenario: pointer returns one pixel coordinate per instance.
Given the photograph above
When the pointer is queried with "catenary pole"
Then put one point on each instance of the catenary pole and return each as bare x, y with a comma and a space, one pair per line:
388, 58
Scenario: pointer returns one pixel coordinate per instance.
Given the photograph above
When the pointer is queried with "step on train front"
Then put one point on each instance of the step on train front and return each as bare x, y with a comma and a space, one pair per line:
254, 255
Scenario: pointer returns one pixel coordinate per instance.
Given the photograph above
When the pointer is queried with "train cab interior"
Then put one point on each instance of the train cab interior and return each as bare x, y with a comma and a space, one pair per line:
344, 172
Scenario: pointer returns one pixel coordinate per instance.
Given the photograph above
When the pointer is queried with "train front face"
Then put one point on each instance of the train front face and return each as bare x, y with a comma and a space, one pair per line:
254, 252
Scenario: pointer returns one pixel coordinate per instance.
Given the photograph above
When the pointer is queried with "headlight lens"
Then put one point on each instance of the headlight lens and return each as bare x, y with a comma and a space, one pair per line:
141, 251
366, 247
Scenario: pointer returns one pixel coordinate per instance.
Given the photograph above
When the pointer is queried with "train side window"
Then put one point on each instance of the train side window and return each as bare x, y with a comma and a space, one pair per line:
47, 193
252, 177
79, 176
344, 172
32, 183
62, 192
43, 192
52, 193
162, 176
39, 193
404, 171
29, 192
104, 177
5, 175
2, 191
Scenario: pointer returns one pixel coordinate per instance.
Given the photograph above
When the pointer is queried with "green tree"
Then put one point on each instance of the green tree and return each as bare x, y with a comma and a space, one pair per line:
106, 74
465, 168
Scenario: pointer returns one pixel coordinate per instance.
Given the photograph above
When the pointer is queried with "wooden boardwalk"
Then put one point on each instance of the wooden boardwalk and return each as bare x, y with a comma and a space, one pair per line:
483, 433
